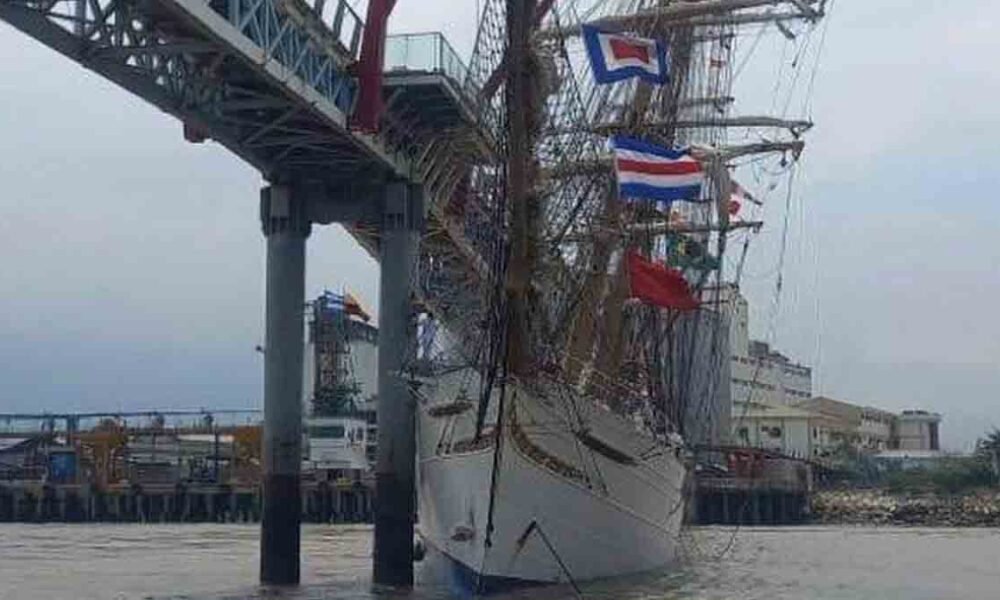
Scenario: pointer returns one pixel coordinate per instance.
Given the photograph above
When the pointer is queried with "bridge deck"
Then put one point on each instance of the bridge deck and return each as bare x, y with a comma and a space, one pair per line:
266, 78
271, 81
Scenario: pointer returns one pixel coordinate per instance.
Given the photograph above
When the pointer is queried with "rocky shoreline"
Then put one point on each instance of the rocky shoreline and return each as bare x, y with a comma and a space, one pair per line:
880, 507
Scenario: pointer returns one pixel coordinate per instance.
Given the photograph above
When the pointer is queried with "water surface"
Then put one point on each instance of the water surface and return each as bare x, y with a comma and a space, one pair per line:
219, 562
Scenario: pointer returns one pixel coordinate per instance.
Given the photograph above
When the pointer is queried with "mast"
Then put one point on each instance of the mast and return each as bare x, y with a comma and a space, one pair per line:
607, 356
520, 163
560, 293
580, 342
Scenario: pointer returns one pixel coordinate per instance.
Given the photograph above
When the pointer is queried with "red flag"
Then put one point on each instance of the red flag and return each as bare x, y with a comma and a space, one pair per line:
734, 207
657, 284
369, 67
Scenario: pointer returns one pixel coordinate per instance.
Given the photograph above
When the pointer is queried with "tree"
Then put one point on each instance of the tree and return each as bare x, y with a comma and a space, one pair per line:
988, 449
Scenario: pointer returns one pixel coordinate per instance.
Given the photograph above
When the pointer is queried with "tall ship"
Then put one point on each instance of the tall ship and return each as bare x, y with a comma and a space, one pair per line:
573, 341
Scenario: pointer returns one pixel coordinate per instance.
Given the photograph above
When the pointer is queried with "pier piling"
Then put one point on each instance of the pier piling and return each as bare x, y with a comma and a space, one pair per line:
395, 462
286, 226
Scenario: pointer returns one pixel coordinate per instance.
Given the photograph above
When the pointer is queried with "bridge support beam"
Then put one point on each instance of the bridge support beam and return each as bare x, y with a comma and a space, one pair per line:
285, 224
395, 492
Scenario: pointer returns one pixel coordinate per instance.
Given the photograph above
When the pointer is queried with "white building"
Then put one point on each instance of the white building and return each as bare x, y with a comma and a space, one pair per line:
863, 428
877, 429
918, 430
759, 373
778, 428
791, 430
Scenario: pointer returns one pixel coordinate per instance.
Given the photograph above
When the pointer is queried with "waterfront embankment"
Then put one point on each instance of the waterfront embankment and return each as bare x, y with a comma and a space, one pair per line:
979, 508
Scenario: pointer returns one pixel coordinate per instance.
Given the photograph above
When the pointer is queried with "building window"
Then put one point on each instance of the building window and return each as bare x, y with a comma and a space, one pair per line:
815, 433
334, 432
774, 432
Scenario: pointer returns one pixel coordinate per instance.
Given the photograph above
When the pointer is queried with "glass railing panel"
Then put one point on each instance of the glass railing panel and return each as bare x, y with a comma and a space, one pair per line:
424, 53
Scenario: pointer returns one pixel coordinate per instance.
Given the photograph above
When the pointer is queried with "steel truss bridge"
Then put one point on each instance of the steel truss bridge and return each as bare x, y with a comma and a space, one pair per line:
272, 81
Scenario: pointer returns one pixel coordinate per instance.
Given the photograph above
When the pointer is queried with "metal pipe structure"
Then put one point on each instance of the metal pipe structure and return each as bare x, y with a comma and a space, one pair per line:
286, 227
395, 490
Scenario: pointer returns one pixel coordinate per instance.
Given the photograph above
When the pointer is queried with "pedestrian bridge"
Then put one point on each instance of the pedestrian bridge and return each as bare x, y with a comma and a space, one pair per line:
274, 82
269, 79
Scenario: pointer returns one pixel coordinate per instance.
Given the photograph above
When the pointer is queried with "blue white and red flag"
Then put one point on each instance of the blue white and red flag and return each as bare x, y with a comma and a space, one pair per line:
615, 57
650, 172
333, 302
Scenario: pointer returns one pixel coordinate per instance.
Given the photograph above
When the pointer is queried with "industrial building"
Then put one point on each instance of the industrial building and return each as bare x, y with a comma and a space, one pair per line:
340, 389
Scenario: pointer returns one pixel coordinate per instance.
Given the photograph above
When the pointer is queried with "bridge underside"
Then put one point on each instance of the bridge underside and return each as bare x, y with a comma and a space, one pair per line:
272, 81
266, 78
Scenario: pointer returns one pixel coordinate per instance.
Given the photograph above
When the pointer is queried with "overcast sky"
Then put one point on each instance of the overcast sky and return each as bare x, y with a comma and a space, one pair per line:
133, 261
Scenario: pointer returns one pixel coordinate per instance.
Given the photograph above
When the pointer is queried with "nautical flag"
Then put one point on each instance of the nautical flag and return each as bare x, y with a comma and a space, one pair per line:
686, 252
353, 307
333, 302
659, 285
738, 196
615, 57
741, 195
734, 206
649, 172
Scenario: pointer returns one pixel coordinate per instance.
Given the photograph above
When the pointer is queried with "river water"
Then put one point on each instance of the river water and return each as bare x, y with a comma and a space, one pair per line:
219, 562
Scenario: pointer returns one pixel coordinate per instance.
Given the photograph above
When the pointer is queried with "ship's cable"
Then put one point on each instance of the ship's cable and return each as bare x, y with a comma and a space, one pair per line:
534, 527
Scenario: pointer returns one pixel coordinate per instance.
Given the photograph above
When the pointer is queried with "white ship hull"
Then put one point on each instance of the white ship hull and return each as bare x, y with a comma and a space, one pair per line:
564, 506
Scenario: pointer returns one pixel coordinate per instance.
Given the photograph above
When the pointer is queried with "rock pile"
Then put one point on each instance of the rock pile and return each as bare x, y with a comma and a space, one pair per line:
876, 507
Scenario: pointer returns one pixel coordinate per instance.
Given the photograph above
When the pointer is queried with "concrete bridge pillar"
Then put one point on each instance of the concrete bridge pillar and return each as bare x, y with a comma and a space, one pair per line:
286, 225
395, 492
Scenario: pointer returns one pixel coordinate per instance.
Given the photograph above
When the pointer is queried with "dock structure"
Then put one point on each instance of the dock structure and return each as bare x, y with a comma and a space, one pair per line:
38, 502
755, 488
274, 82
737, 502
137, 467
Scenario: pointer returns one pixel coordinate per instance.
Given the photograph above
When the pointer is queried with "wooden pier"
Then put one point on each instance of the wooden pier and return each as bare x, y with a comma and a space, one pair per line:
35, 502
757, 488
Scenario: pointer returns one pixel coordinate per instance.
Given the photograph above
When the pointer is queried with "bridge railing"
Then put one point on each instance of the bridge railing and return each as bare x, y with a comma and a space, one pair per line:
316, 39
428, 53
345, 24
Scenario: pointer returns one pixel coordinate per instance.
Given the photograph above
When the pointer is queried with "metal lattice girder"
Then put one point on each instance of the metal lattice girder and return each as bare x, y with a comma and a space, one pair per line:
269, 79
